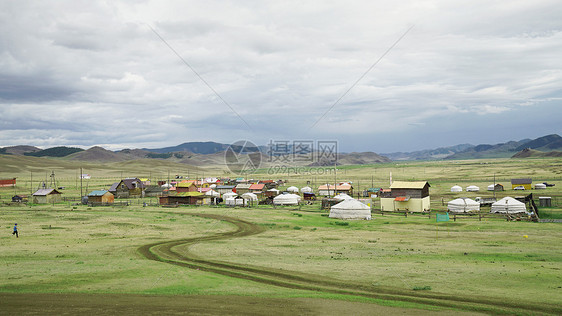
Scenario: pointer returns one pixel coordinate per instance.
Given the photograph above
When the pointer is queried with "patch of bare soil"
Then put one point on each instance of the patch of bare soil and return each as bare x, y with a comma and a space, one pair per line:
132, 304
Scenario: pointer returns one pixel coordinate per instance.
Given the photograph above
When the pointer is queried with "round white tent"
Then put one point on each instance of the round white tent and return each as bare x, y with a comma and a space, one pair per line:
166, 186
472, 188
491, 187
342, 197
456, 188
212, 186
540, 186
306, 190
212, 193
250, 196
229, 195
463, 205
350, 209
293, 189
508, 205
233, 201
286, 199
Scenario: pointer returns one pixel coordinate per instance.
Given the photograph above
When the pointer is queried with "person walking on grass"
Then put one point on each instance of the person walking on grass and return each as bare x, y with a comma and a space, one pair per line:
16, 230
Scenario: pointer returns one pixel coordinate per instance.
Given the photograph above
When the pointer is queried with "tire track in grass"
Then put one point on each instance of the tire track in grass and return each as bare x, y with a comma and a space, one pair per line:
166, 251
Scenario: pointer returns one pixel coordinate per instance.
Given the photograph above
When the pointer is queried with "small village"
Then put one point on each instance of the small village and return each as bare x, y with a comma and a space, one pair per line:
401, 197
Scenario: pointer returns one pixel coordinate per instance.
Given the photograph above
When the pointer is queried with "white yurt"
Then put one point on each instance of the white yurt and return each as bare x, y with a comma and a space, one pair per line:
212, 193
472, 188
286, 199
540, 186
233, 201
249, 196
456, 188
508, 205
491, 187
212, 186
306, 190
463, 205
343, 196
293, 189
166, 186
350, 209
229, 195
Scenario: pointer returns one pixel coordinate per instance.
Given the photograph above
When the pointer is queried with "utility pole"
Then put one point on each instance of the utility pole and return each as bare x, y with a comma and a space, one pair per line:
494, 186
335, 177
81, 194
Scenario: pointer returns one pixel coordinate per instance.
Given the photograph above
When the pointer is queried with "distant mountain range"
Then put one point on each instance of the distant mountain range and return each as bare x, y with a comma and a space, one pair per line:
467, 151
204, 148
212, 153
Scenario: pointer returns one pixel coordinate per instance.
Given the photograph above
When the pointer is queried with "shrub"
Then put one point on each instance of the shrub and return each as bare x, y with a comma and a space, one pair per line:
422, 288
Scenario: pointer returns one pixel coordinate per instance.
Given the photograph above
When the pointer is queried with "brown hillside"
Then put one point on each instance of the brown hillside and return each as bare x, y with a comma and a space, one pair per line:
20, 150
531, 153
97, 153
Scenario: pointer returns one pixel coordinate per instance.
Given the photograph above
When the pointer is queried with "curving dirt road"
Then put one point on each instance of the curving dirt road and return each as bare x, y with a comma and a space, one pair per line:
177, 252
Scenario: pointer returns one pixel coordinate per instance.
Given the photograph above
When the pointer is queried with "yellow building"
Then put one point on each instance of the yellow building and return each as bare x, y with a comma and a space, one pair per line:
407, 196
524, 182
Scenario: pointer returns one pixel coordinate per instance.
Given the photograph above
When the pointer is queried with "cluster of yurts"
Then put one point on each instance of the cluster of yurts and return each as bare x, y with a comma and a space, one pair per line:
347, 208
506, 205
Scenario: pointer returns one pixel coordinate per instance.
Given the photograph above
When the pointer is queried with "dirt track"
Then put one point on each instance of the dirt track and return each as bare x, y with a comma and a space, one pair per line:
171, 252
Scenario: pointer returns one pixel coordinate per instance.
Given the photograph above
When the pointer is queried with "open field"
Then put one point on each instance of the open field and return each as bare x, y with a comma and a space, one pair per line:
290, 260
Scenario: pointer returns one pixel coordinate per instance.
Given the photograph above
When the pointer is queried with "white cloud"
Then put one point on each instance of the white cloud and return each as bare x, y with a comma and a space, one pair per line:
75, 66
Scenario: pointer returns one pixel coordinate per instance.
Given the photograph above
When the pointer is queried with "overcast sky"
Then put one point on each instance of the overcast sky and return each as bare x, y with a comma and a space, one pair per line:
85, 73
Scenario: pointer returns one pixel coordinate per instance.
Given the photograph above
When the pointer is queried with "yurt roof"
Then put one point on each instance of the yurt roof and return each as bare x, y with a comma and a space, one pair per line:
508, 201
306, 189
293, 189
456, 188
343, 196
229, 194
212, 193
250, 196
286, 199
463, 202
508, 205
350, 205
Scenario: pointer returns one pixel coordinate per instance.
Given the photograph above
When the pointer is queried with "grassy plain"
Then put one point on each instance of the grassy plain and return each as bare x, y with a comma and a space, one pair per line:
76, 249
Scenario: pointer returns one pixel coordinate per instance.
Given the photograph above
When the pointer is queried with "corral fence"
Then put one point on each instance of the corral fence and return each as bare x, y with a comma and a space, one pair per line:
455, 216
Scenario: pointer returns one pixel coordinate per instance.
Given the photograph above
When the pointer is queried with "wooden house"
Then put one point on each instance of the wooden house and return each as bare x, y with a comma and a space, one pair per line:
242, 188
496, 187
126, 188
183, 198
100, 197
407, 196
269, 184
523, 182
47, 196
154, 190
8, 182
331, 189
186, 186
202, 184
222, 189
257, 188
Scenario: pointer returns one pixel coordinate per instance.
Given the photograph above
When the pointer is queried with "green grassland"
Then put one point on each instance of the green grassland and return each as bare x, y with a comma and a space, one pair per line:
66, 248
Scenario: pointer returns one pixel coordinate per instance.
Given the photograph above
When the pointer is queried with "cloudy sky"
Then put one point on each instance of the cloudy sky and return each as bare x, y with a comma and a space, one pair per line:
374, 75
